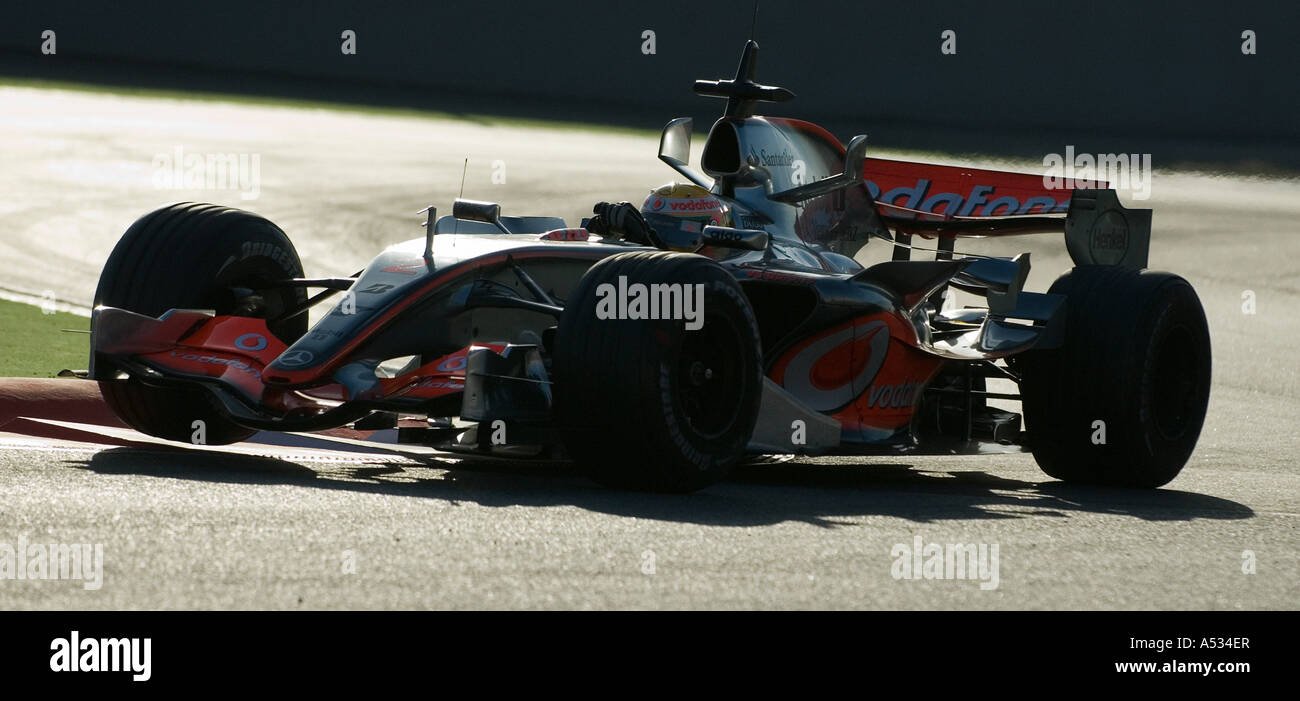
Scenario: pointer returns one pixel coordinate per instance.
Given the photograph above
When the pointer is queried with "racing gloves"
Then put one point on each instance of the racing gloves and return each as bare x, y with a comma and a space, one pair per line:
622, 220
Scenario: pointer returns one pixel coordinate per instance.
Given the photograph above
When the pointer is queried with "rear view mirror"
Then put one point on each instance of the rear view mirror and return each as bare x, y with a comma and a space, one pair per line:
675, 142
675, 150
474, 210
855, 158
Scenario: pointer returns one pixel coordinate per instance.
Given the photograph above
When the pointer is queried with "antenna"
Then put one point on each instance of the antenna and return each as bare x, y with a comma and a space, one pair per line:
463, 171
432, 216
753, 24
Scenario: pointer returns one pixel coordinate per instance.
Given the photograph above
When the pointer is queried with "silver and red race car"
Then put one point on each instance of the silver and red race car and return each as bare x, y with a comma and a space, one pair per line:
659, 352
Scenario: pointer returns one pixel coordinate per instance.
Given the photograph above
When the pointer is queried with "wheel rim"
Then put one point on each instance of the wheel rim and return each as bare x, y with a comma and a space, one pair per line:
253, 274
709, 376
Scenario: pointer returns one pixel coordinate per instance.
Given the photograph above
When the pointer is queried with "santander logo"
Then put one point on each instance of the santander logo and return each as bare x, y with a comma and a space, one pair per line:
816, 374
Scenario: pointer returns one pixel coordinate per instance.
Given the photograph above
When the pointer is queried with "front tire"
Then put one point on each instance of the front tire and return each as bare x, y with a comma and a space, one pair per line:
1123, 401
190, 256
649, 404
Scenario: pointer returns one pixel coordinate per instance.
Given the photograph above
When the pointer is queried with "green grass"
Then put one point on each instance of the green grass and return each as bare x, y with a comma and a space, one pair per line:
32, 344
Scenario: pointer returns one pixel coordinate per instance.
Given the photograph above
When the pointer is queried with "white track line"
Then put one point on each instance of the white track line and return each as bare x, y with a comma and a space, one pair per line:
292, 453
36, 300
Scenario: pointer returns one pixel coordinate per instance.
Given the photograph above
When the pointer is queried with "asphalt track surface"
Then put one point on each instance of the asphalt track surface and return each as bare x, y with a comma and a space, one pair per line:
320, 522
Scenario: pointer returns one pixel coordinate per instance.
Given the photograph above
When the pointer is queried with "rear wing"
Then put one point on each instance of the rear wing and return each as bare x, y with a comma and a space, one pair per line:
946, 202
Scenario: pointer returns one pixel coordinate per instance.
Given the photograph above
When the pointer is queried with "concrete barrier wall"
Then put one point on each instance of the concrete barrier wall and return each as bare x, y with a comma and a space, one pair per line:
1119, 70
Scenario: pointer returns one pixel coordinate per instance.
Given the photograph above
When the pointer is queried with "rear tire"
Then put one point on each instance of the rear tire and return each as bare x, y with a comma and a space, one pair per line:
1137, 359
188, 256
648, 404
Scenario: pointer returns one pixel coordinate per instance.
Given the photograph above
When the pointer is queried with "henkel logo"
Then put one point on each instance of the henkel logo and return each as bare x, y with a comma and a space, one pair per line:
1109, 240
980, 201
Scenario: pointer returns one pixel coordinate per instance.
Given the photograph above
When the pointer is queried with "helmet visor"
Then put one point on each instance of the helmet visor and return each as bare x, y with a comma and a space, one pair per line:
679, 233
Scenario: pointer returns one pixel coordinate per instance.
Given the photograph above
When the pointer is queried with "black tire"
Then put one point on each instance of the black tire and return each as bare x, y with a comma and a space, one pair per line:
1136, 356
190, 256
648, 404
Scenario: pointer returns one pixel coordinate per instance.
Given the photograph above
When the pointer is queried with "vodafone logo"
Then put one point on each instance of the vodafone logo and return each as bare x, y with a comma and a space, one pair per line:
454, 363
978, 201
833, 370
694, 205
251, 342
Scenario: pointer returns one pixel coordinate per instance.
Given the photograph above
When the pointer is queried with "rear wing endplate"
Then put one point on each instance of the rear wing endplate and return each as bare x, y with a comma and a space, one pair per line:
1101, 231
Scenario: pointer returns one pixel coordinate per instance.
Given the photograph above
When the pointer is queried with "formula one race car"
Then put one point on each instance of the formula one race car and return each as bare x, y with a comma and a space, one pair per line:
658, 351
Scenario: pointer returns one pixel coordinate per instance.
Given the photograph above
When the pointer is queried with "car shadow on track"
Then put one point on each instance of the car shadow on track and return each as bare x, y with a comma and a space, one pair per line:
818, 494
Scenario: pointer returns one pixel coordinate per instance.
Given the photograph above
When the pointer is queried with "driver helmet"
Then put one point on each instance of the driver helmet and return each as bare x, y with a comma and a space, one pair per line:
683, 207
